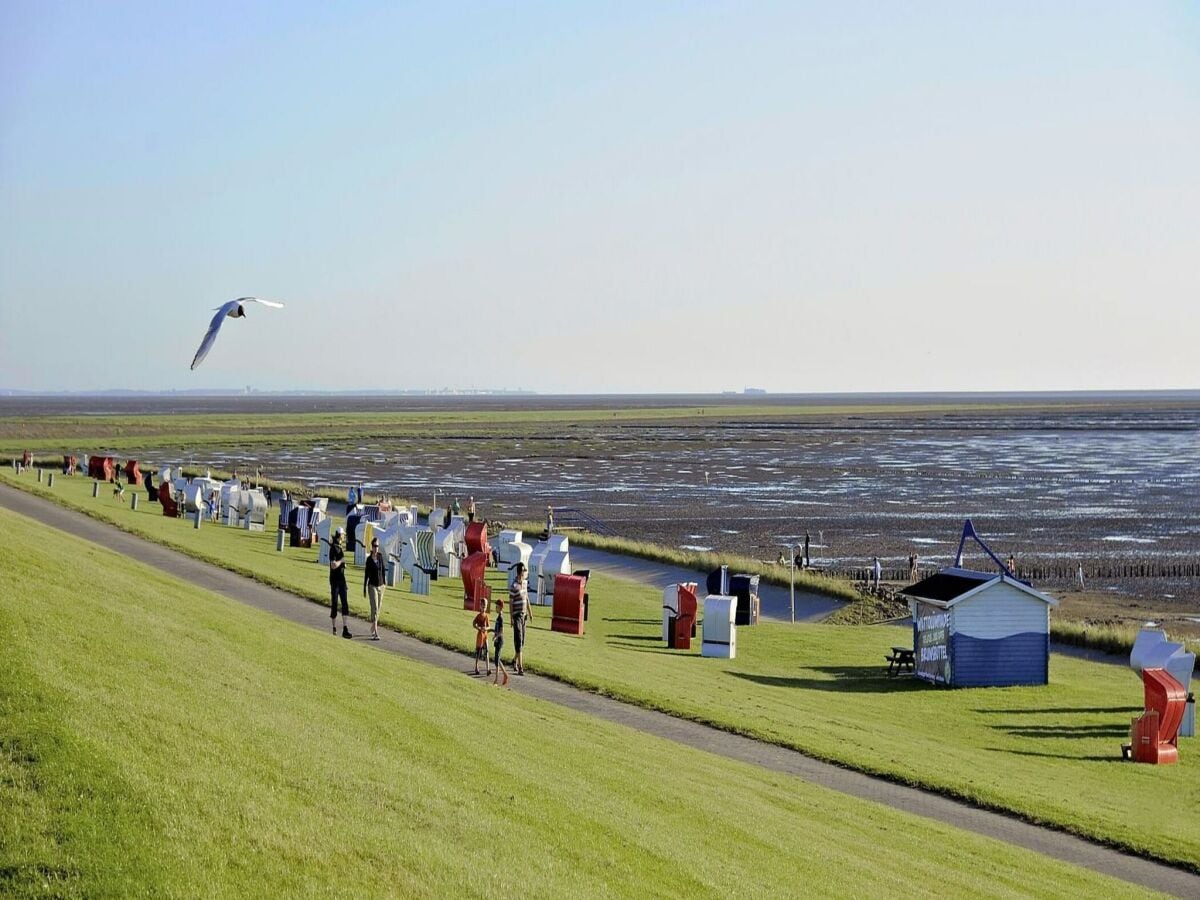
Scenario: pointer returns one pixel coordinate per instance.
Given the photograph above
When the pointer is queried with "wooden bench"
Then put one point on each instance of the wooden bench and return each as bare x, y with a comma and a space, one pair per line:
901, 658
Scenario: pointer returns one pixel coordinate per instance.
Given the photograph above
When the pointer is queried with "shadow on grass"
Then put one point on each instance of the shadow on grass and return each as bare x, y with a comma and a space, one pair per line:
1063, 710
1073, 757
636, 637
635, 621
1064, 731
640, 648
845, 680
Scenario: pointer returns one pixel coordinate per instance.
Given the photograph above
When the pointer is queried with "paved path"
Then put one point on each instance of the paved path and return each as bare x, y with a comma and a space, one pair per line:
775, 600
296, 609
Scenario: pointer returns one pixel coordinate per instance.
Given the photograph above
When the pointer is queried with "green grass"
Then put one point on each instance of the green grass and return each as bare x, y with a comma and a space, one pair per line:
157, 739
1048, 754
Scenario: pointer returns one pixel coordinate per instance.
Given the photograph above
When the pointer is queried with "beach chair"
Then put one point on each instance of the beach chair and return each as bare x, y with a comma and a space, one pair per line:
132, 473
475, 591
476, 539
1154, 735
447, 551
674, 603
567, 614
719, 638
323, 532
556, 562
425, 565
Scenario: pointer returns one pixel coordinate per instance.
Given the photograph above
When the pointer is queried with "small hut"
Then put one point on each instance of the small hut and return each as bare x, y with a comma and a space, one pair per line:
979, 629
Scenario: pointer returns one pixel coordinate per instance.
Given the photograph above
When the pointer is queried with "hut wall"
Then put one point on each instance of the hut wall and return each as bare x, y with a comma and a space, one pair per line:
1000, 637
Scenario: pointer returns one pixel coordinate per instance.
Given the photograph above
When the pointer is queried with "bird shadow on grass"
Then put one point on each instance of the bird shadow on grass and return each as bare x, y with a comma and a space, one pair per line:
1057, 732
845, 680
1073, 757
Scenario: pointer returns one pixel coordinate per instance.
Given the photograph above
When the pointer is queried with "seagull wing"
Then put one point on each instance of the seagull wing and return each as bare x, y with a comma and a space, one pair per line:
275, 304
210, 337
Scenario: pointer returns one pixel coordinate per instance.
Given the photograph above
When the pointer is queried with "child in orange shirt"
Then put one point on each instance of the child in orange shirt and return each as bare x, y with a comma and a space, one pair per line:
483, 624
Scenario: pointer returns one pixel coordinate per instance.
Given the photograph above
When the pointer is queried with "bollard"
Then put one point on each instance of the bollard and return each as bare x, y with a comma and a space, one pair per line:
133, 502
39, 475
50, 480
95, 489
196, 520
279, 542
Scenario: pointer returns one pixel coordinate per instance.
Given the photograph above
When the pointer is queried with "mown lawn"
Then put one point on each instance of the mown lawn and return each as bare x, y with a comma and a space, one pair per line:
1049, 754
156, 738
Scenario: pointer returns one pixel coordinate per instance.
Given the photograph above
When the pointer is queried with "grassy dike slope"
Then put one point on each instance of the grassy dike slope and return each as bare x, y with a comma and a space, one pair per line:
1049, 754
157, 738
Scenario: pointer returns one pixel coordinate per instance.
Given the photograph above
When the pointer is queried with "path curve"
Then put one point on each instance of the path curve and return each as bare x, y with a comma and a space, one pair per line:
1056, 844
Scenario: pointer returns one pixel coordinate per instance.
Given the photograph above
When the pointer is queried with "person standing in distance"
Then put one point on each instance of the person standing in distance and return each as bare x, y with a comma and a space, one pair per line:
373, 585
520, 612
337, 584
549, 521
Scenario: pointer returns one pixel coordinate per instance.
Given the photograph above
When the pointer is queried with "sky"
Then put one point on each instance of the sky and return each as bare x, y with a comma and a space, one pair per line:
601, 197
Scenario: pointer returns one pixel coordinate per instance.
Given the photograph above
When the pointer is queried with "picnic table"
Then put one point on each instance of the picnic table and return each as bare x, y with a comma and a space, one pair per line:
900, 659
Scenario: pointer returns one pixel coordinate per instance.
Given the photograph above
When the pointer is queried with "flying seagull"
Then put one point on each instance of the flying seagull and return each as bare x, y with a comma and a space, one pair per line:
234, 309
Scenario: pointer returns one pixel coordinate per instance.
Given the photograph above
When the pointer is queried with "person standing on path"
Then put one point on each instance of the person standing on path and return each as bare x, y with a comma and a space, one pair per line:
482, 623
912, 567
549, 521
521, 612
877, 571
455, 509
470, 509
498, 644
373, 581
807, 558
337, 584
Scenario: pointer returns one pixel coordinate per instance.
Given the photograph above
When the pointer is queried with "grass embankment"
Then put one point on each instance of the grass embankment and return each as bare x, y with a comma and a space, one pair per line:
156, 738
1049, 754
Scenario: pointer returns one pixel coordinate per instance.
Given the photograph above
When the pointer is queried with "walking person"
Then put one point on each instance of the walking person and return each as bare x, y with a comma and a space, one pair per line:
912, 567
807, 558
482, 623
877, 571
521, 612
498, 643
373, 581
337, 584
549, 521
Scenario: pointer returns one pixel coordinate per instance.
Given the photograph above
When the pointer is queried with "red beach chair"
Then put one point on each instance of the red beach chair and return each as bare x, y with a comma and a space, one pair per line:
477, 539
475, 592
1155, 733
567, 615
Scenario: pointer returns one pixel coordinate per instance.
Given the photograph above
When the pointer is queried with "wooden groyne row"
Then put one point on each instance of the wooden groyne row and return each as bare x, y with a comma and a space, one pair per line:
1099, 571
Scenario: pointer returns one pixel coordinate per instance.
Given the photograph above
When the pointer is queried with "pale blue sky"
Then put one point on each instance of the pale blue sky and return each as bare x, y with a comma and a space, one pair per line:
602, 197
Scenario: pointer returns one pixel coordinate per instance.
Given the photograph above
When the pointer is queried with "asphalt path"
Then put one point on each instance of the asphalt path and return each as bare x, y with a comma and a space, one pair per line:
1056, 844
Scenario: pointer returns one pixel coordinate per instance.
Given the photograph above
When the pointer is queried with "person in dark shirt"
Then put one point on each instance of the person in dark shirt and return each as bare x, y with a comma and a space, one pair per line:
498, 644
373, 581
337, 584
